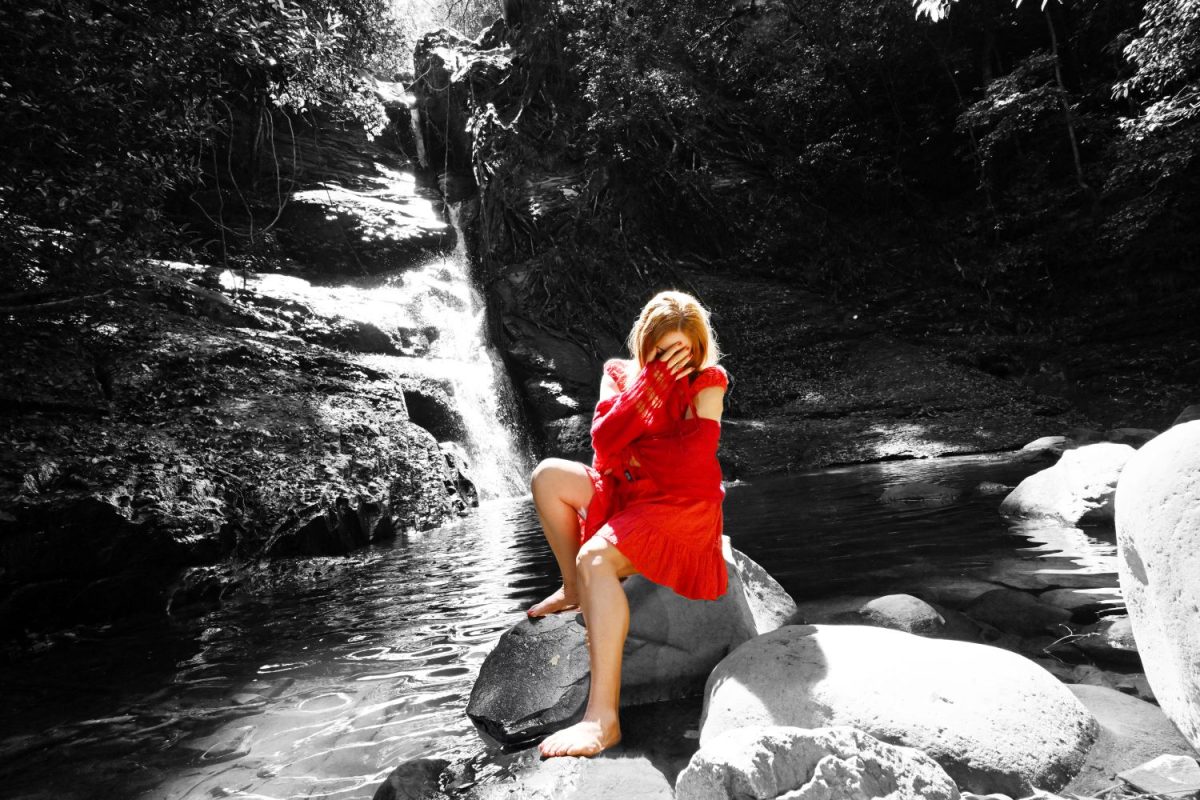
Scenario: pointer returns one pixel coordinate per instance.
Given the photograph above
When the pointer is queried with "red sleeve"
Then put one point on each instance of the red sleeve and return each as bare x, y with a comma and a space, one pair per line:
713, 376
623, 417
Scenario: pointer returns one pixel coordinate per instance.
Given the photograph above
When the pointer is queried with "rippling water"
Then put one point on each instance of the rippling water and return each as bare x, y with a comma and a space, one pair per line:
324, 677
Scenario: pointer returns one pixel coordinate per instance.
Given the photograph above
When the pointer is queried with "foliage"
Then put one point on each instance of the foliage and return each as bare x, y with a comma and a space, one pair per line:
109, 107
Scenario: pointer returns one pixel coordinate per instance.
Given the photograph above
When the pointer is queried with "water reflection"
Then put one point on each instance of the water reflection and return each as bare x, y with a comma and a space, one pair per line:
319, 688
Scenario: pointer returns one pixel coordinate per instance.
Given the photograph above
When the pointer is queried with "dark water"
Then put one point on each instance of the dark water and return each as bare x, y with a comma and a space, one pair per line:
318, 686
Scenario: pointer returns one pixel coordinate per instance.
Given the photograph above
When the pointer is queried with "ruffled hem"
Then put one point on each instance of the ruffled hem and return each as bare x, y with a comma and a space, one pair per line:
688, 561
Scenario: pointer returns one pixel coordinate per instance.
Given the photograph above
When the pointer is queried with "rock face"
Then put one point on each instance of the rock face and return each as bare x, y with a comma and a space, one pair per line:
1158, 538
537, 677
819, 764
1079, 488
1132, 731
994, 720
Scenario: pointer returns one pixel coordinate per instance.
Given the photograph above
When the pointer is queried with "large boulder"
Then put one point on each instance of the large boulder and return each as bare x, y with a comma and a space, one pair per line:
536, 679
1132, 731
1158, 538
819, 764
1079, 488
610, 775
994, 720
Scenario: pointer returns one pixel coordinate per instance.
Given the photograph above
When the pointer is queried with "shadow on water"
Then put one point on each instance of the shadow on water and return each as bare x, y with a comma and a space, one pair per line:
319, 687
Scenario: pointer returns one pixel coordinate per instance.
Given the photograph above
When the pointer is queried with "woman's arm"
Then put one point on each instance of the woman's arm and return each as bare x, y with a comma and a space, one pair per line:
622, 416
710, 402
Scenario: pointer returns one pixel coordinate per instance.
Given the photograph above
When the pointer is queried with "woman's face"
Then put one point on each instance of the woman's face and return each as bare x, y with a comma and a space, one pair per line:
669, 339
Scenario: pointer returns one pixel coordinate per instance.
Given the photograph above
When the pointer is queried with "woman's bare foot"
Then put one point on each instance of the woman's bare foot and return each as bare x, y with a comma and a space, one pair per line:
586, 738
558, 601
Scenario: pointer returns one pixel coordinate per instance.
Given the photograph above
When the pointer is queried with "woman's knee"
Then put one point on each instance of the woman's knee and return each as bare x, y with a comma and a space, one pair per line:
561, 478
597, 558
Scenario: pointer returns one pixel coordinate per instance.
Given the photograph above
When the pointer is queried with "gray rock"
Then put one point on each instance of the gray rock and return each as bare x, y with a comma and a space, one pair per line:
1083, 600
919, 492
987, 488
1166, 775
1052, 444
1017, 612
1109, 640
536, 679
1131, 731
1189, 414
1079, 488
609, 775
1134, 437
955, 592
994, 720
819, 764
1158, 539
903, 612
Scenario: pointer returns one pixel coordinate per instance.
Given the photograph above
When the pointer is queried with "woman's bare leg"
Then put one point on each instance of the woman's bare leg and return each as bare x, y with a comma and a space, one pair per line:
600, 567
561, 489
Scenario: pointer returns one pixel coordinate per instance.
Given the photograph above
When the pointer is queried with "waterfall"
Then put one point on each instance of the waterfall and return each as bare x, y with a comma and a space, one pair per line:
452, 369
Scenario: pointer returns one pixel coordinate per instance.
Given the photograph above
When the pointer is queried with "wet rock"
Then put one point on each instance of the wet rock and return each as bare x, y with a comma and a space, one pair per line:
431, 406
988, 488
461, 481
537, 677
1158, 539
992, 719
829, 763
1130, 732
417, 779
1079, 488
1083, 600
1110, 640
1166, 775
919, 492
955, 592
1017, 612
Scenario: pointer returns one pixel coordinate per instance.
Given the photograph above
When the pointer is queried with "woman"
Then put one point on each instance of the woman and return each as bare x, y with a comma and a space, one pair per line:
650, 503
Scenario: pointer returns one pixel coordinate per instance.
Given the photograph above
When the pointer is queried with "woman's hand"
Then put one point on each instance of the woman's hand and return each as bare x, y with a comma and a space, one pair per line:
677, 357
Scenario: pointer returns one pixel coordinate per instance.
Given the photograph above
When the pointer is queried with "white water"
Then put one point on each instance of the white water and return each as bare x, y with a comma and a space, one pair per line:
437, 294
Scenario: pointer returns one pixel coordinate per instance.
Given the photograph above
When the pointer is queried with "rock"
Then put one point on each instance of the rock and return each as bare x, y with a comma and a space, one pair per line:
608, 775
413, 780
992, 719
1170, 775
1083, 600
1134, 437
1189, 414
826, 763
987, 488
1048, 444
955, 592
1088, 675
536, 679
919, 492
1017, 612
839, 610
1131, 731
570, 437
462, 482
1109, 640
1158, 540
903, 612
1079, 488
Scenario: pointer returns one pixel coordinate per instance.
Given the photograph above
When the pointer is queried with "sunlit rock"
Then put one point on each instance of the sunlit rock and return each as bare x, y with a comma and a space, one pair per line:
820, 764
1158, 535
1189, 414
537, 678
611, 775
1131, 731
1079, 488
994, 720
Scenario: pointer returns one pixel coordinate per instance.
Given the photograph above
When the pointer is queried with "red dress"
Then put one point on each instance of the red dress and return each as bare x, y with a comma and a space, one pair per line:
664, 513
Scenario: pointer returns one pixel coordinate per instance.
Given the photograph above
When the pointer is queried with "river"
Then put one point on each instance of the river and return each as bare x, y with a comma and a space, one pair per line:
325, 674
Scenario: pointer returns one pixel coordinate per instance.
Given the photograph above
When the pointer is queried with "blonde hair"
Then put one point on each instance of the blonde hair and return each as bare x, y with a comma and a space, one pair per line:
674, 311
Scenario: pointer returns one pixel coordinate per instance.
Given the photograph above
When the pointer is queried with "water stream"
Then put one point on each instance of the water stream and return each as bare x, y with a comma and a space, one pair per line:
319, 686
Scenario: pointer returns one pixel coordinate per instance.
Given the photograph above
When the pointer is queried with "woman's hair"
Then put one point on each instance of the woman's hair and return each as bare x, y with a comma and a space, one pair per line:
674, 311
